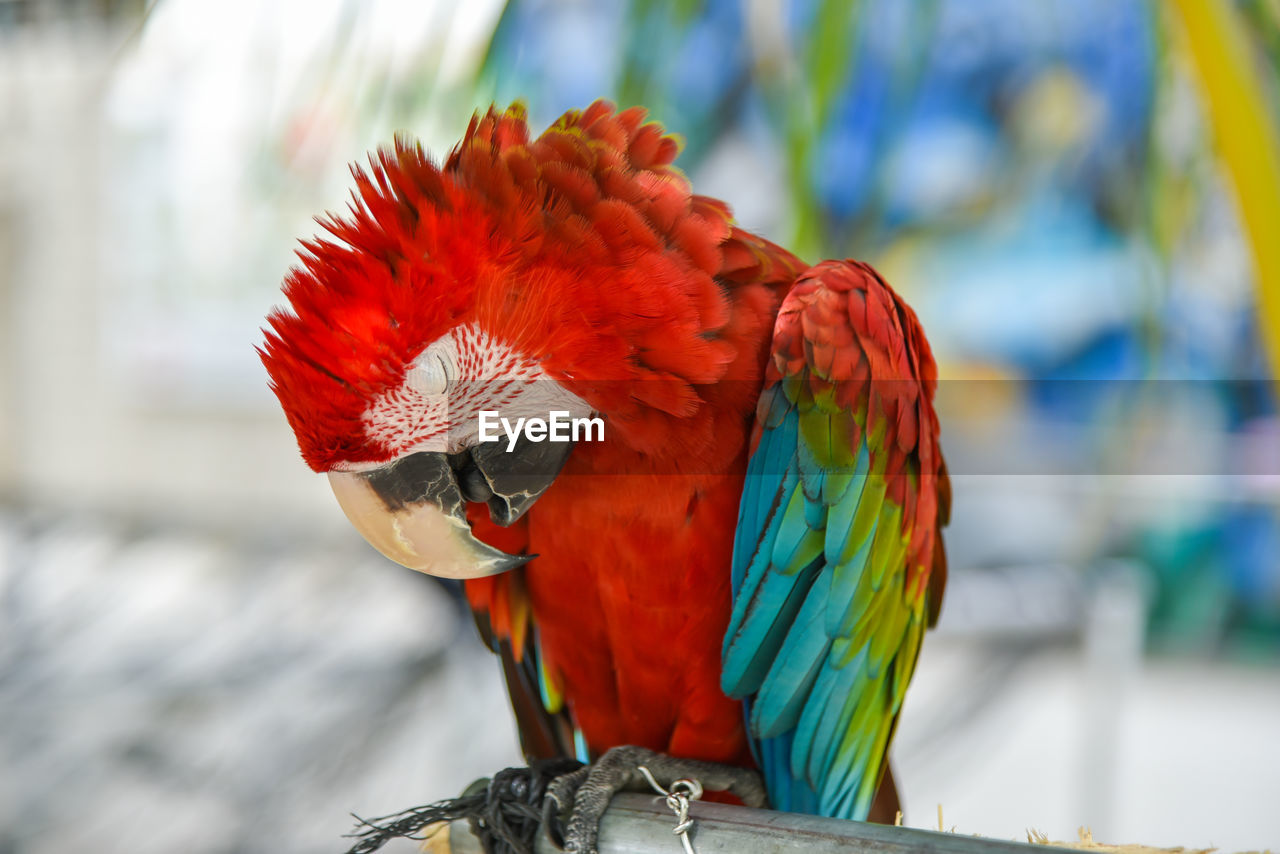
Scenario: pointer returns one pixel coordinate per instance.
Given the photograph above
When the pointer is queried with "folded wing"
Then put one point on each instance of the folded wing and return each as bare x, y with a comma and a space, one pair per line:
838, 563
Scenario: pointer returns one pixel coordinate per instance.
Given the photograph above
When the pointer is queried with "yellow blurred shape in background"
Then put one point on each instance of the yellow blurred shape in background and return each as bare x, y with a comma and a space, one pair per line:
1247, 140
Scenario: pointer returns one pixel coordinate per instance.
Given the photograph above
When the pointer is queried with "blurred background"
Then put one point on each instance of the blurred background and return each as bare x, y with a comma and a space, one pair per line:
1081, 198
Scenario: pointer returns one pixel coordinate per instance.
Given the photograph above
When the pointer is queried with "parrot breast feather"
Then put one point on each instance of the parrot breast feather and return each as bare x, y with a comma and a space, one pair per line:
687, 293
838, 563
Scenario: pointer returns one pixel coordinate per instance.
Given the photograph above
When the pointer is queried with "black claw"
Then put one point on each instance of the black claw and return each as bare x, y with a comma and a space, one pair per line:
617, 770
551, 821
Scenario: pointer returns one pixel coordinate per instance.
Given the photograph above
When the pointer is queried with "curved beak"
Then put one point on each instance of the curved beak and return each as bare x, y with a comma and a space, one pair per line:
413, 509
413, 512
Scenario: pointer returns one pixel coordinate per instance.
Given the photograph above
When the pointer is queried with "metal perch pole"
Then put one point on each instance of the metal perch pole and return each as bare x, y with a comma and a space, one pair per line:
642, 824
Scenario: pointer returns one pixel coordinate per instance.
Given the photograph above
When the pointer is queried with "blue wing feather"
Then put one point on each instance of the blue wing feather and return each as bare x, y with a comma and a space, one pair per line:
781, 698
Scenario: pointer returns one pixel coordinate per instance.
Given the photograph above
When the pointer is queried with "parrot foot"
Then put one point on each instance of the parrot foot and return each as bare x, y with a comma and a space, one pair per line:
589, 789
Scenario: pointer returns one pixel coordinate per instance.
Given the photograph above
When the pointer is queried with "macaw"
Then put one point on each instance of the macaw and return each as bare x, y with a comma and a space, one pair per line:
739, 566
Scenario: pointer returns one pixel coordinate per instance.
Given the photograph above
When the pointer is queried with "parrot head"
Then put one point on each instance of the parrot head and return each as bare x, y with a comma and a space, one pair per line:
480, 285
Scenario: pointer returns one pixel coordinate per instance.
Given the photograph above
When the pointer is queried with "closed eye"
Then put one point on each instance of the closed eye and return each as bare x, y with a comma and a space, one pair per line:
431, 376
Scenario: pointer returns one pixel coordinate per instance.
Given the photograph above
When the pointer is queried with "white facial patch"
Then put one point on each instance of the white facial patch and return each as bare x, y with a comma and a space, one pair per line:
465, 371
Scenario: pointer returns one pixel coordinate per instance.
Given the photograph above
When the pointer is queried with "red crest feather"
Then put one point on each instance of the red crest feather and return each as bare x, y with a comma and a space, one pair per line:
581, 248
